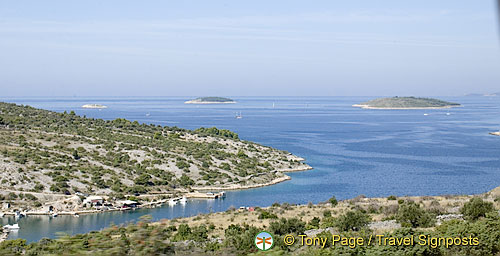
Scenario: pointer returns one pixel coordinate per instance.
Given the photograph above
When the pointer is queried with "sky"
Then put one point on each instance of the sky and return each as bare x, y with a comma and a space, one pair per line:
248, 48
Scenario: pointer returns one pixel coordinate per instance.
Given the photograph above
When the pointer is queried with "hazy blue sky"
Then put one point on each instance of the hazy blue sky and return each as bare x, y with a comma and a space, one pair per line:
245, 48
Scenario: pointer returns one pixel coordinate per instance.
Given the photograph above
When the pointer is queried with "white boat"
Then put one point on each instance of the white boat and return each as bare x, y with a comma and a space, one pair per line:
239, 116
172, 202
54, 215
94, 106
2, 214
448, 114
183, 200
426, 114
11, 227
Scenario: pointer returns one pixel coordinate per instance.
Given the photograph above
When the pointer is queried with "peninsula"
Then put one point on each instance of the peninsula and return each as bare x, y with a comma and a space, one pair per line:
210, 100
406, 103
51, 159
99, 106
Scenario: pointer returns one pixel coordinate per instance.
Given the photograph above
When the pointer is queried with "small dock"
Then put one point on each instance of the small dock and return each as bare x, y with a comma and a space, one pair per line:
208, 195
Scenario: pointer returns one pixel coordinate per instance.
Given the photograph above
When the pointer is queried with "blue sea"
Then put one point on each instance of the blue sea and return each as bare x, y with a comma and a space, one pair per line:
353, 151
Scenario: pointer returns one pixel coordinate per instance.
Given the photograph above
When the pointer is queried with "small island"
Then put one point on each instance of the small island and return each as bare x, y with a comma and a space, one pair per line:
406, 103
210, 100
99, 106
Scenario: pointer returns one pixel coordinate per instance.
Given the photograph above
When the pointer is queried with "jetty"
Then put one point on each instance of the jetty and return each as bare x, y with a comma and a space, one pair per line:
207, 195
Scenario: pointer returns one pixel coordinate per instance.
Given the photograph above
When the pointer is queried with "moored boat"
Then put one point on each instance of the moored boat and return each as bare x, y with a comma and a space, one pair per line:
12, 227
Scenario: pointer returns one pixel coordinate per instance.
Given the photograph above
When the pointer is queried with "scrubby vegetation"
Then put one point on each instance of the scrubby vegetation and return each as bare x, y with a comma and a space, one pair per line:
229, 233
63, 153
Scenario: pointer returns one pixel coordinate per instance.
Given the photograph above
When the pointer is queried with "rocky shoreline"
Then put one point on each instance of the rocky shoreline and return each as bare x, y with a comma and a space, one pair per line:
272, 182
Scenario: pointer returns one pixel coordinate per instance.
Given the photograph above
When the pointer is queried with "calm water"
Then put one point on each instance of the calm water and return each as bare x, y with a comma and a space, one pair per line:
353, 151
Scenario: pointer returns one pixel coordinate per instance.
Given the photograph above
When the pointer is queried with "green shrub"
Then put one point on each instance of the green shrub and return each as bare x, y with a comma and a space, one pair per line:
411, 214
476, 208
267, 215
333, 201
352, 221
287, 226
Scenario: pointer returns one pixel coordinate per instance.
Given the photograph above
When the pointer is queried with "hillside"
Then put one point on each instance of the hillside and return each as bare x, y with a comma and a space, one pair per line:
210, 100
474, 218
44, 153
406, 103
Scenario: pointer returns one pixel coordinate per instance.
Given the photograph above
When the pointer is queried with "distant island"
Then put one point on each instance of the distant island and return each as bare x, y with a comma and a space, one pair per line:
94, 106
483, 95
406, 103
210, 100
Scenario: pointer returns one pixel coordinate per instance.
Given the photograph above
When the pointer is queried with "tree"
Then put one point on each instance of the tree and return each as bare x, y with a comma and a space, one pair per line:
411, 214
476, 208
287, 226
333, 201
75, 154
267, 215
352, 221
185, 181
143, 179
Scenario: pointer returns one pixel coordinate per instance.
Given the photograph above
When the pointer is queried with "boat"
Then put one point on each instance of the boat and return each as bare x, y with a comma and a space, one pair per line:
183, 200
54, 215
172, 202
2, 214
239, 116
426, 114
148, 114
76, 215
448, 114
12, 227
94, 106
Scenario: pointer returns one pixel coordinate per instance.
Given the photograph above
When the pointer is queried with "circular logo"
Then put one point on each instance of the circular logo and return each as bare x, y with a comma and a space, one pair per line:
264, 241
